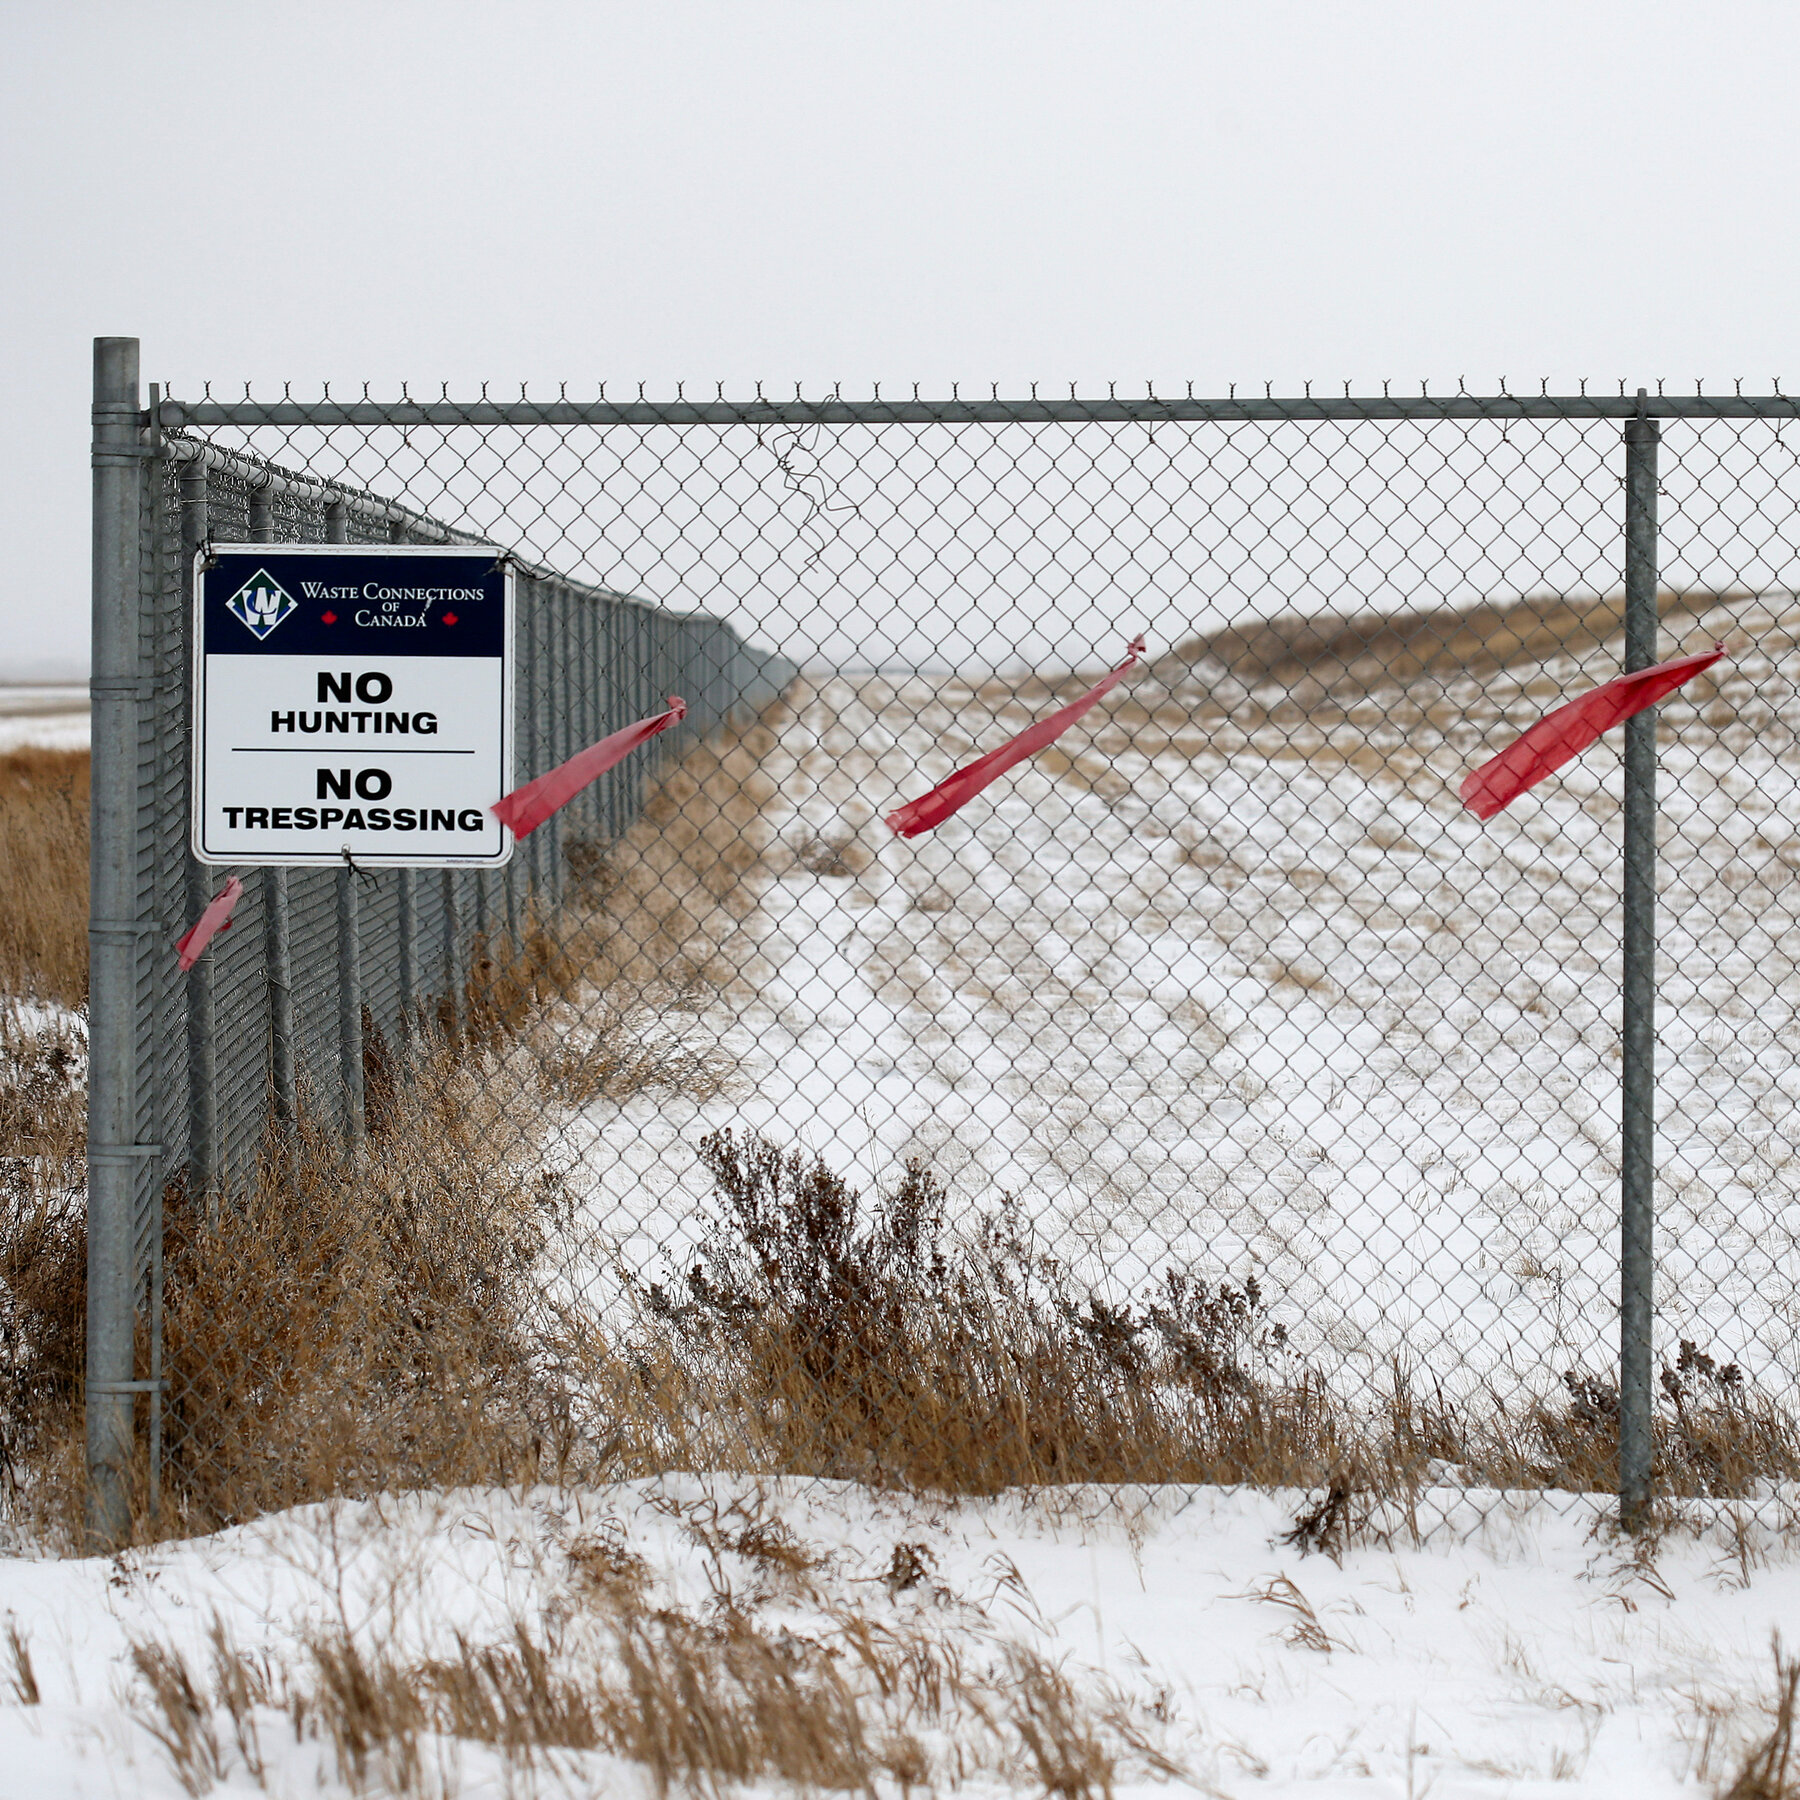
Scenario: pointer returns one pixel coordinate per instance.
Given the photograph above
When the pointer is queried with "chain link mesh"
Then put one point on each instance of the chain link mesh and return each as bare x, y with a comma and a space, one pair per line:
1224, 990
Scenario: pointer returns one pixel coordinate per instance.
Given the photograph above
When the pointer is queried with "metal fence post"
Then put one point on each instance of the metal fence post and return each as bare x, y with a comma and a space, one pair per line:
407, 949
535, 645
114, 929
202, 1043
452, 975
350, 1026
1637, 1124
284, 1080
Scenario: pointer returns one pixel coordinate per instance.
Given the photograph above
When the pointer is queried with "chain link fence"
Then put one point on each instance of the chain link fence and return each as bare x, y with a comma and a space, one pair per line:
1213, 1098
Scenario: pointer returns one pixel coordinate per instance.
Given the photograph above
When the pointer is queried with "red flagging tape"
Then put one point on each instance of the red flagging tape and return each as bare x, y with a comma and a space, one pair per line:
216, 918
526, 808
1560, 736
958, 789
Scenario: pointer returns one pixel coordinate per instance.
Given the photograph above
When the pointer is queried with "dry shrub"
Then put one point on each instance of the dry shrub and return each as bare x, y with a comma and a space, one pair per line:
44, 874
860, 1340
818, 1332
1714, 1435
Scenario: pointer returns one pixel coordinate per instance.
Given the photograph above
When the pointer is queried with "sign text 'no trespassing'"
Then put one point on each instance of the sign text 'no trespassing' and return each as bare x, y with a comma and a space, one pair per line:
352, 699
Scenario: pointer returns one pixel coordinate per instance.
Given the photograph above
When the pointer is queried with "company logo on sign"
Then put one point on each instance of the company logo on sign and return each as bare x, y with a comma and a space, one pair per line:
262, 603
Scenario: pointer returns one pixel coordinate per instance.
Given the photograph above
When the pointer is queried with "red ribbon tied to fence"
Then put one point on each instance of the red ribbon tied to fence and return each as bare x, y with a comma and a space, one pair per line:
957, 790
526, 808
216, 918
1560, 736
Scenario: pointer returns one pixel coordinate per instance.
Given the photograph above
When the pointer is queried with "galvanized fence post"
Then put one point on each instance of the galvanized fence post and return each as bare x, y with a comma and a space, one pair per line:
114, 930
524, 870
284, 1079
350, 1025
407, 950
531, 639
278, 960
1637, 1125
202, 1041
452, 976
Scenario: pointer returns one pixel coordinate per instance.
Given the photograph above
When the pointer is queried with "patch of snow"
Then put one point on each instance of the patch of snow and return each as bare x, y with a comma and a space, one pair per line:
1518, 1645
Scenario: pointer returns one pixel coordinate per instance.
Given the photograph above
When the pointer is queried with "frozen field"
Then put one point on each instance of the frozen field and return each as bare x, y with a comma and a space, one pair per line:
1229, 979
50, 715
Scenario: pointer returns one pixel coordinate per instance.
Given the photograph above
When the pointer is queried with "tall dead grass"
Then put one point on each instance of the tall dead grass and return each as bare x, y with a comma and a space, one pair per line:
817, 1692
43, 1122
1767, 1771
44, 874
664, 903
1745, 1749
827, 1333
429, 1312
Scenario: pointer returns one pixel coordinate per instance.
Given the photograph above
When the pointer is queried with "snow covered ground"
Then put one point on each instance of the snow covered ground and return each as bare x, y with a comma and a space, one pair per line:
1223, 983
1520, 1652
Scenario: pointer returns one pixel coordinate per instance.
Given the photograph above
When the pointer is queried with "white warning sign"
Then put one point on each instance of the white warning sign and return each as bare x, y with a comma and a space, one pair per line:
352, 699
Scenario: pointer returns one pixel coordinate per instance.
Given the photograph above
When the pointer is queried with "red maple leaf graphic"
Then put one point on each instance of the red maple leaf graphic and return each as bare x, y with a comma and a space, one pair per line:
449, 618
329, 618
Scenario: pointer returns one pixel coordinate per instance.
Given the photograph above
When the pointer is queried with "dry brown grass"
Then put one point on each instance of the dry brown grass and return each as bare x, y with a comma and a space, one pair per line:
824, 1333
702, 1700
43, 1240
357, 1321
44, 874
1767, 1771
1744, 1750
1380, 649
666, 901
367, 1322
43, 1124
1369, 691
352, 1323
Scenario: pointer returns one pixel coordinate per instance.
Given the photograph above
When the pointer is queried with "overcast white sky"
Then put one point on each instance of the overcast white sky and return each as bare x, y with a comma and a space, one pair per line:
857, 189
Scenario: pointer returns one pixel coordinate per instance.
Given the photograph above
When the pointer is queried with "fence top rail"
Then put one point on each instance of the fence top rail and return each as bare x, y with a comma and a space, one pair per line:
1148, 409
266, 478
